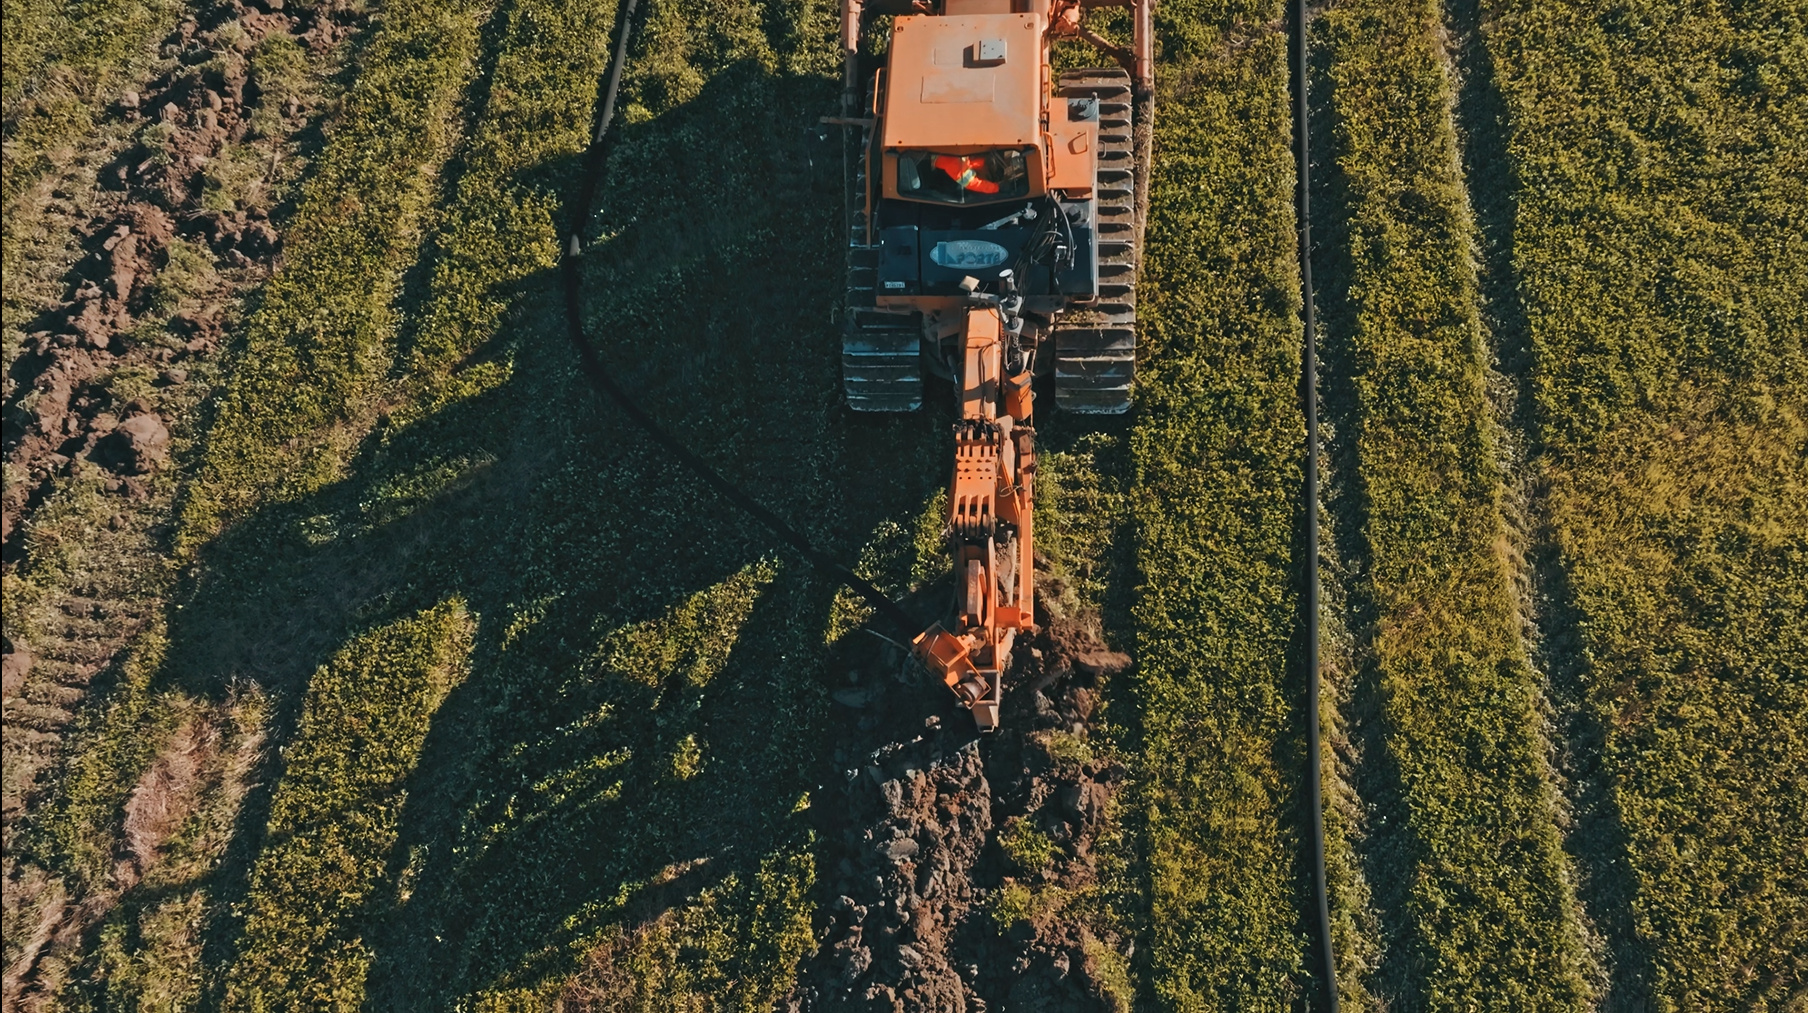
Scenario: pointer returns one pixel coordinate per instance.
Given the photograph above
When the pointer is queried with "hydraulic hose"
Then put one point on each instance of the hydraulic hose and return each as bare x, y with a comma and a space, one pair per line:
1309, 398
595, 159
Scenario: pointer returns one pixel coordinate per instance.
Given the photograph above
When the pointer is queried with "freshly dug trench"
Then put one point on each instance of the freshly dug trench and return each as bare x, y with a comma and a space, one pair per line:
952, 859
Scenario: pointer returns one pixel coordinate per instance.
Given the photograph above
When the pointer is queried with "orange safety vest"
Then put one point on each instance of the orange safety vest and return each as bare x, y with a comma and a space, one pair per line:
965, 172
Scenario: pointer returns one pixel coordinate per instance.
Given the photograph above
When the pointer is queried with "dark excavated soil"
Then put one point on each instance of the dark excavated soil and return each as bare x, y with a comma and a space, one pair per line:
914, 864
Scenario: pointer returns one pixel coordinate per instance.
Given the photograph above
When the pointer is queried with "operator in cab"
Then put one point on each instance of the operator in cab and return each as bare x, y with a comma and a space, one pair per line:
963, 179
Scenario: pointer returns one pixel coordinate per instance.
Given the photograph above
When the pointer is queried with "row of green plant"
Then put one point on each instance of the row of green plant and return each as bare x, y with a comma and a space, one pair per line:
618, 795
1657, 151
1215, 457
513, 173
319, 345
335, 815
1466, 857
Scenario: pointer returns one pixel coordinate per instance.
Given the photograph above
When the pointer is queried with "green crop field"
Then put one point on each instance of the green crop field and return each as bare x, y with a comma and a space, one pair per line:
1660, 159
319, 347
452, 691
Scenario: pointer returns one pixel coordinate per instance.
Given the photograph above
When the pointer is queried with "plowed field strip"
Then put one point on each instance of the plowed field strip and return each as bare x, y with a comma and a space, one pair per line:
1659, 154
411, 74
1216, 449
322, 339
1463, 848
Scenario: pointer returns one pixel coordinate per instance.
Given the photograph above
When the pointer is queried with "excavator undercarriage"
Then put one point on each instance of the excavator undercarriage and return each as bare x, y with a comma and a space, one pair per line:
994, 237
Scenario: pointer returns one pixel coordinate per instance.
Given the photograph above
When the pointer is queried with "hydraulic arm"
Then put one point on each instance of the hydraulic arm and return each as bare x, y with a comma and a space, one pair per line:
989, 514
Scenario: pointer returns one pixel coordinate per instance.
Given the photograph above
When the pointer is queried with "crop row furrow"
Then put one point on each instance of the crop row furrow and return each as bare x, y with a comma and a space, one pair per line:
1464, 846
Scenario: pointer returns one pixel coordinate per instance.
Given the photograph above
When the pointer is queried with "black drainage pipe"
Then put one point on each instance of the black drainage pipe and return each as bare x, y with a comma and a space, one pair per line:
595, 159
1309, 398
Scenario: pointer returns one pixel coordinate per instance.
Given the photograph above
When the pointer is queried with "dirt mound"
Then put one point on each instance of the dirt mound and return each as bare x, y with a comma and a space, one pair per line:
953, 858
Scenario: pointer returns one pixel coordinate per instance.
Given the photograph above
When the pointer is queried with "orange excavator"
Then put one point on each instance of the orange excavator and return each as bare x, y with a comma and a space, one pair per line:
995, 237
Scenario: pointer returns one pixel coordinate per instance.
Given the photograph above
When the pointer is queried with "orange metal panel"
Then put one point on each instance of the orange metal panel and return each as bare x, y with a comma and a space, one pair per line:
944, 94
1074, 156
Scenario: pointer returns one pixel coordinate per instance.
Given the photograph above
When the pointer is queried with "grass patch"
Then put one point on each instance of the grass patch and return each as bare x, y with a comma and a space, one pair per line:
1015, 903
147, 954
118, 740
1080, 511
1475, 877
1658, 157
729, 948
1027, 847
1216, 449
63, 62
336, 810
277, 68
321, 340
1110, 972
1065, 747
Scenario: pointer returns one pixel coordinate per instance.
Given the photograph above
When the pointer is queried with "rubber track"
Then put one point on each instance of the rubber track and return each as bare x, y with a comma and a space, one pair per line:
1095, 346
595, 159
881, 350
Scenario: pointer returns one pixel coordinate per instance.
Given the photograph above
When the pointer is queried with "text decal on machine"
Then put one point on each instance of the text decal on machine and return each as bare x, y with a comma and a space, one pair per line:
968, 253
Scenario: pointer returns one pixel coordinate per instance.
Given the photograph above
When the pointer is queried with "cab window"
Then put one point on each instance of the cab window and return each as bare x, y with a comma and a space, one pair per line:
1000, 174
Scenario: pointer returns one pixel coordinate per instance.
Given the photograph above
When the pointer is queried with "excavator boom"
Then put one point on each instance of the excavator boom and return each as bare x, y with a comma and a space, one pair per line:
990, 520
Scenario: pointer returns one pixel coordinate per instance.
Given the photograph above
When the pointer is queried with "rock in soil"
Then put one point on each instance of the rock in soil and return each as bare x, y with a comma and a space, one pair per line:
137, 447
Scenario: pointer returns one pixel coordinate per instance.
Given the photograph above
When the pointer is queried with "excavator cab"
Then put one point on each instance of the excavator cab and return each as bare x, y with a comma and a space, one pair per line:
993, 237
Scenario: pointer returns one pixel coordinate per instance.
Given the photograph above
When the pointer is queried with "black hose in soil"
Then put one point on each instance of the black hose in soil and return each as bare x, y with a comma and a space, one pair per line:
595, 158
1309, 398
